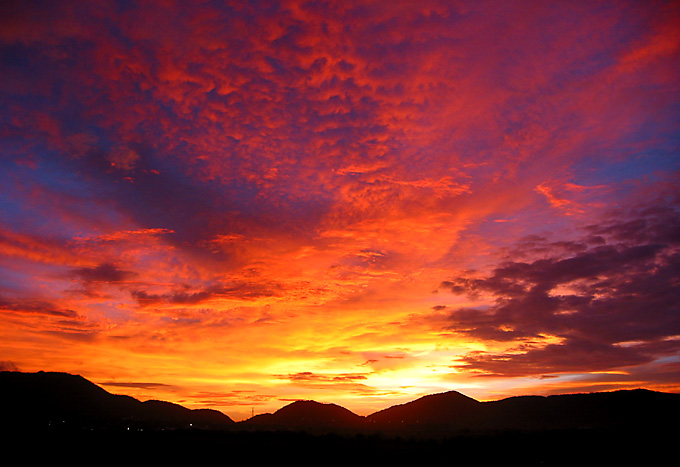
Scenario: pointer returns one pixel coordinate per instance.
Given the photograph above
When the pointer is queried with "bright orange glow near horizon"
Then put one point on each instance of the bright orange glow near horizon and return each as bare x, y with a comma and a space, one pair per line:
236, 205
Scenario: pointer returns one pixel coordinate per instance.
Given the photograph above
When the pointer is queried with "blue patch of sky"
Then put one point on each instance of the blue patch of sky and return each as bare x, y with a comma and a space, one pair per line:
645, 164
23, 212
17, 280
12, 281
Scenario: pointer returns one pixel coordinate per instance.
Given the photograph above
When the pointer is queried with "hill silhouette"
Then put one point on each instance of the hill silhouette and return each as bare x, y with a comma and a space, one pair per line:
308, 415
450, 408
450, 413
58, 410
45, 399
59, 400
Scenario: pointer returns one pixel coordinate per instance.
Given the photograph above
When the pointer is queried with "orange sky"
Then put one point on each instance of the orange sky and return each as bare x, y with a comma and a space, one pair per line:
236, 206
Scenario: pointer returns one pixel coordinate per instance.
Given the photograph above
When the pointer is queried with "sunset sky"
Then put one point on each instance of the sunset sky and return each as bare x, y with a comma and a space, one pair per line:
234, 205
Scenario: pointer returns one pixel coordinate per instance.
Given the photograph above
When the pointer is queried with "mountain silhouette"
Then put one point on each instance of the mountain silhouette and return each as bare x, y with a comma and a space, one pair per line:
450, 408
308, 415
451, 413
624, 408
45, 399
48, 399
55, 410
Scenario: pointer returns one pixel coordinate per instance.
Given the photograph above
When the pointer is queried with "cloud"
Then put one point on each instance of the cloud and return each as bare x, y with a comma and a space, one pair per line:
560, 196
146, 299
123, 158
235, 290
47, 319
574, 355
105, 273
6, 365
136, 385
38, 307
35, 248
352, 382
315, 377
125, 235
579, 311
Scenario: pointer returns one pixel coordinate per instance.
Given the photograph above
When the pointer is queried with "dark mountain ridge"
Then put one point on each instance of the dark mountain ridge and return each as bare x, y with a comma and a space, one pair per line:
43, 399
444, 408
50, 399
450, 413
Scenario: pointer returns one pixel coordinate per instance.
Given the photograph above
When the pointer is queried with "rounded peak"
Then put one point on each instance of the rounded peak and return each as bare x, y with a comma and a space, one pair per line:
444, 399
305, 402
313, 413
449, 395
433, 408
303, 405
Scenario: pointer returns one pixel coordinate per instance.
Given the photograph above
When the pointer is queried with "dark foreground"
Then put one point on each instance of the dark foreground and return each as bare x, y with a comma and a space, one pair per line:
55, 419
197, 447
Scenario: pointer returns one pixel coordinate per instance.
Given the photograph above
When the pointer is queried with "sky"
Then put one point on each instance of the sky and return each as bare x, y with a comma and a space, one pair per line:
238, 204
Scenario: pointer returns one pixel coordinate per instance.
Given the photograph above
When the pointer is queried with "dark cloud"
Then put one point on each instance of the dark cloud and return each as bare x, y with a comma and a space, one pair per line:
105, 272
6, 365
37, 307
49, 319
136, 385
240, 290
147, 299
573, 355
610, 305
